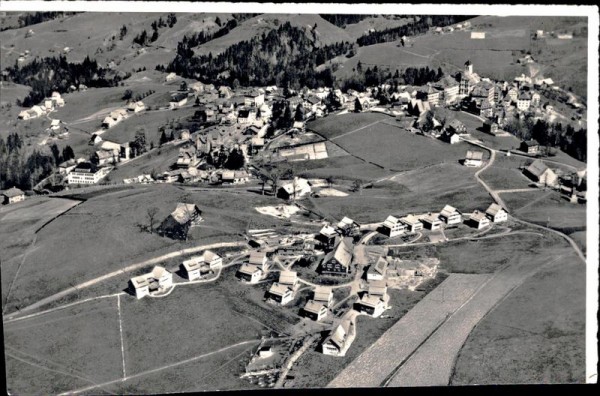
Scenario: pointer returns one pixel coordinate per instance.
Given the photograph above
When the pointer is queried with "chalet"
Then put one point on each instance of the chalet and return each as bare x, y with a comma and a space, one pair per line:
157, 280
315, 310
136, 107
249, 273
86, 173
530, 146
450, 215
377, 270
294, 189
258, 259
337, 262
479, 220
338, 340
539, 172
496, 213
281, 294
490, 127
450, 137
103, 157
524, 101
431, 222
473, 158
348, 227
288, 278
12, 195
412, 223
392, 226
371, 305
178, 223
377, 288
323, 295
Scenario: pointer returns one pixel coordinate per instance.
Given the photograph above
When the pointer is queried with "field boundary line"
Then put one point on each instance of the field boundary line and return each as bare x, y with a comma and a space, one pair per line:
355, 130
154, 370
61, 307
121, 334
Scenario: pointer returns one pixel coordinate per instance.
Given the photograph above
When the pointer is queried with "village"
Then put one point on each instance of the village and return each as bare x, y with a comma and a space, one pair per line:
226, 235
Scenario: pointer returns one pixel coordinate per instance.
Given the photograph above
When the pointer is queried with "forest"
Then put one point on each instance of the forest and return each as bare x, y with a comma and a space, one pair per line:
57, 74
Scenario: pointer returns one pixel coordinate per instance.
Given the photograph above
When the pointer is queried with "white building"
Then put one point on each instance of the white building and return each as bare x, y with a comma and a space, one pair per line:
450, 215
394, 227
86, 173
496, 213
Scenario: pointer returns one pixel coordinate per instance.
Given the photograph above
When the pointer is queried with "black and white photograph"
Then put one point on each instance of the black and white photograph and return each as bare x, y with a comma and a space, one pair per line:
250, 196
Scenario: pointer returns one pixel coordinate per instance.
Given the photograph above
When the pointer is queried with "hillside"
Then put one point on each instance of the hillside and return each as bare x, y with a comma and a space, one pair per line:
326, 33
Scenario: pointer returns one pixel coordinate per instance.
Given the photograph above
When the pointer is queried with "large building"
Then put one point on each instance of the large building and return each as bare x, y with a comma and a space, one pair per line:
178, 223
337, 262
86, 173
539, 172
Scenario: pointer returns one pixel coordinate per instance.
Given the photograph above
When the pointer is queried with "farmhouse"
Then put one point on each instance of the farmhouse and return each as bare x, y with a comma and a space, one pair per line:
187, 157
431, 222
456, 126
235, 177
339, 340
323, 295
178, 223
348, 227
479, 220
450, 215
281, 294
392, 226
315, 310
524, 101
412, 223
496, 213
249, 273
156, 281
377, 270
530, 146
539, 172
177, 100
86, 173
337, 262
294, 189
371, 305
254, 98
473, 158
12, 195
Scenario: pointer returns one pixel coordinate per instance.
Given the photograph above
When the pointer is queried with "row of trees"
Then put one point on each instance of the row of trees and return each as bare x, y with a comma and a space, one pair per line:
17, 169
57, 74
144, 38
411, 29
341, 20
229, 159
373, 77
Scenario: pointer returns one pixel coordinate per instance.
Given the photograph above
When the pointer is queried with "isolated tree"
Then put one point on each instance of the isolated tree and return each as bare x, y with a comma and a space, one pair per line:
357, 106
263, 180
122, 32
183, 86
356, 186
163, 138
330, 180
127, 94
151, 214
299, 116
218, 21
55, 154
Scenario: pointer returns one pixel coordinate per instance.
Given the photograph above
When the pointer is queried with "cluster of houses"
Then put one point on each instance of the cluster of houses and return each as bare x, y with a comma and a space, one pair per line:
48, 105
396, 226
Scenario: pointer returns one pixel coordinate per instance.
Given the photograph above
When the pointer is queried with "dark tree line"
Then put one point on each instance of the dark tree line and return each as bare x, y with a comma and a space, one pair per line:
24, 171
373, 77
56, 74
411, 29
144, 38
341, 20
232, 160
252, 62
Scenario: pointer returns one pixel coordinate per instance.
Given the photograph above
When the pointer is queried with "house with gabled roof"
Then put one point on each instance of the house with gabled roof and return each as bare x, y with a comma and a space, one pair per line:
450, 215
327, 235
539, 172
473, 158
479, 220
412, 223
371, 305
337, 262
12, 195
431, 222
348, 227
258, 259
157, 280
178, 223
392, 226
496, 213
288, 278
339, 340
315, 310
250, 273
377, 271
323, 294
530, 146
294, 189
281, 294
